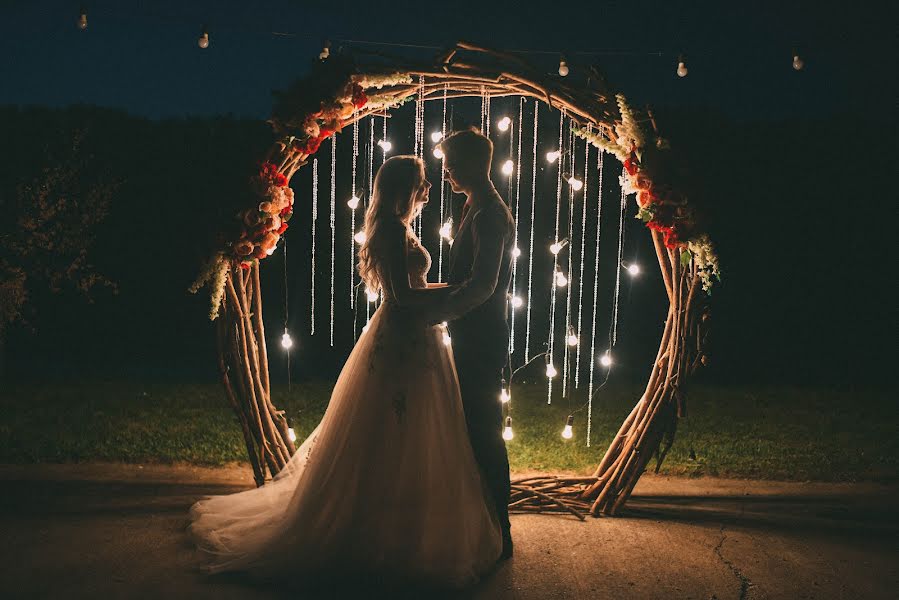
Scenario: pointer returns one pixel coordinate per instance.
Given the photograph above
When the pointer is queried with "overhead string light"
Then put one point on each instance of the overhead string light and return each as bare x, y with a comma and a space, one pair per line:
516, 300
580, 280
527, 332
558, 278
314, 220
436, 137
599, 167
333, 223
353, 203
572, 160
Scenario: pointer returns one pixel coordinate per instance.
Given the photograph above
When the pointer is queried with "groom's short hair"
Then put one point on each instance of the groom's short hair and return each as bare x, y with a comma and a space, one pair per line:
468, 148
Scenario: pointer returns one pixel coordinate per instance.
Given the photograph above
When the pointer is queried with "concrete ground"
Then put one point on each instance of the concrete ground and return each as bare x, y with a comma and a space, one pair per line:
118, 531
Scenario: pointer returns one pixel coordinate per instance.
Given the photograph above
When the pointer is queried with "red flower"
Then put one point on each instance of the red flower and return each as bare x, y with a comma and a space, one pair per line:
359, 97
282, 228
245, 266
280, 179
630, 166
268, 171
671, 240
284, 211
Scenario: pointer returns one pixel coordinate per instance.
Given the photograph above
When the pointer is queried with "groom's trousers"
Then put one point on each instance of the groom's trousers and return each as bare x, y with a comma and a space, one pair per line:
480, 384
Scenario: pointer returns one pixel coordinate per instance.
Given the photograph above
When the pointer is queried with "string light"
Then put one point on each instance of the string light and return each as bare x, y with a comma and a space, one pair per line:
314, 219
516, 252
385, 145
527, 331
203, 40
365, 328
566, 357
633, 269
575, 183
580, 279
436, 136
326, 51
560, 279
371, 177
333, 223
551, 337
622, 209
504, 393
508, 167
504, 124
551, 370
371, 295
681, 67
556, 247
360, 237
353, 202
507, 432
606, 359
446, 230
798, 63
286, 340
438, 153
572, 339
517, 302
442, 133
553, 156
567, 432
599, 167
292, 435
563, 67
82, 20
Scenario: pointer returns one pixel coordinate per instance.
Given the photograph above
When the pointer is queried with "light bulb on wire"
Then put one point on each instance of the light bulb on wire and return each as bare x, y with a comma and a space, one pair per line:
516, 252
385, 145
371, 294
446, 230
551, 370
286, 340
438, 153
436, 136
353, 202
560, 279
360, 237
203, 40
507, 431
633, 269
504, 395
292, 434
798, 63
572, 339
575, 183
504, 124
606, 359
556, 247
553, 156
82, 20
563, 67
508, 167
681, 67
517, 302
567, 432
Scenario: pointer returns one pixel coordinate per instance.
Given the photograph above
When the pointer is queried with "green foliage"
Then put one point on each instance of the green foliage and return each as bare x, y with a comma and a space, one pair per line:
685, 257
764, 432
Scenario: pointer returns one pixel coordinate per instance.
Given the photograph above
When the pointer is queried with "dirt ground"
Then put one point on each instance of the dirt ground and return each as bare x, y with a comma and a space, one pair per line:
118, 531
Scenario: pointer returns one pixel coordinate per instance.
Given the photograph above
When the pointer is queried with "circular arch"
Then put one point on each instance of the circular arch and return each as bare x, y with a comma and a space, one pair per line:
342, 90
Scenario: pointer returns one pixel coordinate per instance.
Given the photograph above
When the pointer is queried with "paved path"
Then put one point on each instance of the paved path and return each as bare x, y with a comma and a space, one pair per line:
112, 531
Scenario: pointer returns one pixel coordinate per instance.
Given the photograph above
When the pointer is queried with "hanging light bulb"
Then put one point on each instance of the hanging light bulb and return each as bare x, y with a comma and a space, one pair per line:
606, 359
507, 432
446, 230
203, 40
516, 252
561, 280
371, 294
385, 145
444, 324
517, 302
563, 67
556, 247
572, 339
633, 269
575, 183
553, 156
508, 167
326, 51
82, 20
292, 434
567, 432
286, 340
353, 202
360, 237
504, 124
438, 153
798, 63
551, 370
446, 339
504, 395
436, 136
365, 328
681, 67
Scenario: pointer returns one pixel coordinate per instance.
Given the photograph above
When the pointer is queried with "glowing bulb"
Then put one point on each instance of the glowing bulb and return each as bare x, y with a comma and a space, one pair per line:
551, 370
575, 183
553, 156
633, 269
360, 237
517, 302
561, 280
385, 145
203, 40
292, 434
798, 63
449, 241
504, 123
504, 395
516, 252
572, 340
353, 202
325, 53
606, 359
563, 68
436, 136
82, 21
286, 341
508, 167
438, 153
446, 339
555, 248
446, 230
365, 328
444, 324
371, 294
567, 432
507, 432
681, 69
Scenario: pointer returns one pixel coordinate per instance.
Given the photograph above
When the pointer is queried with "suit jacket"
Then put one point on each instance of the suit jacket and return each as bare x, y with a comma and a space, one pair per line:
481, 265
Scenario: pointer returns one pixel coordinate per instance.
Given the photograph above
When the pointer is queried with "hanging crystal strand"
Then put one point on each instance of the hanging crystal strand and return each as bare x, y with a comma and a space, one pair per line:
483, 108
353, 217
314, 219
599, 167
618, 270
572, 161
552, 301
333, 222
384, 137
421, 138
487, 114
527, 331
515, 250
442, 185
580, 293
371, 184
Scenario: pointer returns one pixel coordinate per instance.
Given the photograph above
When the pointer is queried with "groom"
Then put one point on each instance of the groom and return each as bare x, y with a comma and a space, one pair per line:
481, 267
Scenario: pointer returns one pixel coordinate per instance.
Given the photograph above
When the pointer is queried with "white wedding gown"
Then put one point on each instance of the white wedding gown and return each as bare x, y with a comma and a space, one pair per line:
386, 484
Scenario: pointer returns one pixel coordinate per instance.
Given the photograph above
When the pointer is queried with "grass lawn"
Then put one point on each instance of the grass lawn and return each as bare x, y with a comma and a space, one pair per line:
764, 432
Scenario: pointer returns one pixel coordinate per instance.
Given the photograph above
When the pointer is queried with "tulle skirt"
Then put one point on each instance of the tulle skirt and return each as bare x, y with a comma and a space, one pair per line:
387, 482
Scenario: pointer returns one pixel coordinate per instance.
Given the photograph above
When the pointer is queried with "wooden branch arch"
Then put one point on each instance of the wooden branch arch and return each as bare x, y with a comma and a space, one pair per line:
462, 70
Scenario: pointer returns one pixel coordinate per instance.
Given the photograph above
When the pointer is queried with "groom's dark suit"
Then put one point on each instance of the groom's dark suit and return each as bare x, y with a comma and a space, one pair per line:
481, 265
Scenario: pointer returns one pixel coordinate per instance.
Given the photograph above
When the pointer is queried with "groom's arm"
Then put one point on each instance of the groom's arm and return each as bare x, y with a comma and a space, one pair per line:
488, 230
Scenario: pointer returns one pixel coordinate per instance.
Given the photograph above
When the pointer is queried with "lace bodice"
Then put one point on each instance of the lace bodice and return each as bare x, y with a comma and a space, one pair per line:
418, 261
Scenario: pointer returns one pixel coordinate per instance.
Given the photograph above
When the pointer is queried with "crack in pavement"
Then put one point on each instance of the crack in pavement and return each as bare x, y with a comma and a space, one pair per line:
745, 582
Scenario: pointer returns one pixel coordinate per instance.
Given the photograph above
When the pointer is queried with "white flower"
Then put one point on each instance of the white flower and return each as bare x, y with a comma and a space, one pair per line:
380, 81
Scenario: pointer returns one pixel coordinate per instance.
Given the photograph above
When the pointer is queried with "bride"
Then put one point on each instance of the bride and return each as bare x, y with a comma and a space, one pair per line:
387, 483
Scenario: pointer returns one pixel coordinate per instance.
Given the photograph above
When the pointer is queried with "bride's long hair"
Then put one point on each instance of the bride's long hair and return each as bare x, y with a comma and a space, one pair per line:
395, 186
